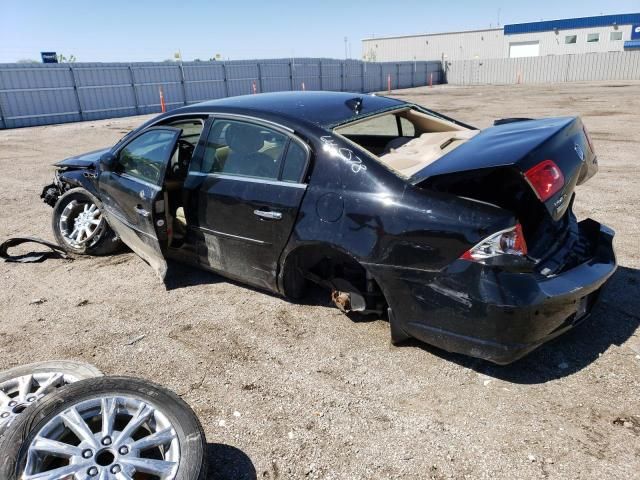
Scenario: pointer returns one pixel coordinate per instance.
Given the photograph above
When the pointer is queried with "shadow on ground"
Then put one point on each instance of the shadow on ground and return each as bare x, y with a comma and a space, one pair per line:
615, 318
228, 463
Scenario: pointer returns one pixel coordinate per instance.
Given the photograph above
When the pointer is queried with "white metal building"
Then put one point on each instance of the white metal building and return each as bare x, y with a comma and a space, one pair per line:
554, 37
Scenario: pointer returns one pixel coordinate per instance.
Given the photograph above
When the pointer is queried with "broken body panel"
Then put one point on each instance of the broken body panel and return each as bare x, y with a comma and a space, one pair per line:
405, 236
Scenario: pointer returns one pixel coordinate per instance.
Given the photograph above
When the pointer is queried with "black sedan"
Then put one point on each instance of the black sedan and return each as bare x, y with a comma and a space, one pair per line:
464, 238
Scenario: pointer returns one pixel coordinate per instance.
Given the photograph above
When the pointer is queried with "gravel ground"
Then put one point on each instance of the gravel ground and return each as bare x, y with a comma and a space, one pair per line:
300, 391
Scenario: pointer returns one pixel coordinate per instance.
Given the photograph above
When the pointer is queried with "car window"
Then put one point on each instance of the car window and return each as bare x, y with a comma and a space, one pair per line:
408, 130
294, 163
384, 125
241, 148
146, 156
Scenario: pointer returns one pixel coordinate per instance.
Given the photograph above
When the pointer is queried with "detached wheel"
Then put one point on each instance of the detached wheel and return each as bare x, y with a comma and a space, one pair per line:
80, 227
106, 428
22, 386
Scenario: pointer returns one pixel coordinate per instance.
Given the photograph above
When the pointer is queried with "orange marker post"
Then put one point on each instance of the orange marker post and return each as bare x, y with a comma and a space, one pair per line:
163, 107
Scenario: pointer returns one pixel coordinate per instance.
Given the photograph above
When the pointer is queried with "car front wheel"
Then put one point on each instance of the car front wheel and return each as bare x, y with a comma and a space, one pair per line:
80, 226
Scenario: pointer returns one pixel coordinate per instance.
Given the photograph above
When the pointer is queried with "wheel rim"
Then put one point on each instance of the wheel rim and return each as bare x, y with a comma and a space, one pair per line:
113, 437
19, 393
80, 223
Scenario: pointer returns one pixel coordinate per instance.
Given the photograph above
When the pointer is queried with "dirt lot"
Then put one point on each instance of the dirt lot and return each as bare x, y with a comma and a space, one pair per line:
300, 391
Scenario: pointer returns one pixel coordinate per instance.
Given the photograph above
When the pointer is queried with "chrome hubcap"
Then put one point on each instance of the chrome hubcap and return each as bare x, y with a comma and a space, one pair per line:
80, 222
18, 393
114, 437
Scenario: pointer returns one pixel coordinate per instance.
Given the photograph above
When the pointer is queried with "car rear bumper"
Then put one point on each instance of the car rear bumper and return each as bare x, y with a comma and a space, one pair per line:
493, 314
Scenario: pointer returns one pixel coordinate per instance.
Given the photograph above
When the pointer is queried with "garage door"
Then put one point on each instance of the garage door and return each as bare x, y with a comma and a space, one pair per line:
524, 49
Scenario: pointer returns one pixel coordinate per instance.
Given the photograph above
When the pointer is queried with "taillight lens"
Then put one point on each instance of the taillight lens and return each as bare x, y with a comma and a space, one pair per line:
506, 242
546, 178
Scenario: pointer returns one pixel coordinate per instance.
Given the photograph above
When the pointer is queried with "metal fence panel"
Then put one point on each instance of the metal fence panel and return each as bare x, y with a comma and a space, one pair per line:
276, 77
40, 94
549, 69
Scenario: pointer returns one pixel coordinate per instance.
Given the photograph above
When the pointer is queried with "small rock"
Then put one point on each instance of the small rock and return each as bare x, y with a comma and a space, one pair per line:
290, 435
136, 340
37, 301
532, 458
550, 461
82, 303
222, 423
627, 424
236, 414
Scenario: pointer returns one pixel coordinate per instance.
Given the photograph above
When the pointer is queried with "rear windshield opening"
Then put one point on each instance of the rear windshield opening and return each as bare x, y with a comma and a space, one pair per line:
406, 140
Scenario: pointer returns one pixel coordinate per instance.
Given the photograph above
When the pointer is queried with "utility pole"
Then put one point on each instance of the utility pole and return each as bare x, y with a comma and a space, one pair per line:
345, 47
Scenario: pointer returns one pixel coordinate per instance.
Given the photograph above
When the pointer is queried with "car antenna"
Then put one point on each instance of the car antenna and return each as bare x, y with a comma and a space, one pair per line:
355, 104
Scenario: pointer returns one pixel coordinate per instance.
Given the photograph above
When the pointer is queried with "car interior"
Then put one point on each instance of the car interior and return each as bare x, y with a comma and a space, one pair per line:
177, 173
232, 148
406, 141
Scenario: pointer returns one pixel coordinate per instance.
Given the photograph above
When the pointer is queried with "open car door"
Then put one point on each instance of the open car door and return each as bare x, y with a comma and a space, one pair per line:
131, 189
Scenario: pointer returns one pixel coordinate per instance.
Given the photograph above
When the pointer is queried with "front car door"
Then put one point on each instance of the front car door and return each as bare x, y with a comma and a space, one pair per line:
250, 189
131, 188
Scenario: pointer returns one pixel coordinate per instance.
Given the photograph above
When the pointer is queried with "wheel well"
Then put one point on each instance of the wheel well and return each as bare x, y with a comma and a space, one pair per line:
334, 269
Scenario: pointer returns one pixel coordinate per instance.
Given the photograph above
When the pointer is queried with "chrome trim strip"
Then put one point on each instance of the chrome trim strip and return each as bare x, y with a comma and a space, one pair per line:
229, 235
250, 179
225, 115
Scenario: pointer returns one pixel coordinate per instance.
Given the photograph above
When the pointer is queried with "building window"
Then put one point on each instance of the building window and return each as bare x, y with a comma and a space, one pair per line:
593, 37
571, 39
615, 36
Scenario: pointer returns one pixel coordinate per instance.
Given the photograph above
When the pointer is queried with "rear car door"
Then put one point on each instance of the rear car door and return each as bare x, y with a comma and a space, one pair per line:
131, 189
248, 200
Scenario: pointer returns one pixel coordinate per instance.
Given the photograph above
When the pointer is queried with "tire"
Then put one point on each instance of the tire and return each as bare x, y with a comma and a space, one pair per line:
100, 454
57, 374
78, 205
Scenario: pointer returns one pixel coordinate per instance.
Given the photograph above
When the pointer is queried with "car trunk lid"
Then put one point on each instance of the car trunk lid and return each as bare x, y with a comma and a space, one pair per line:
518, 147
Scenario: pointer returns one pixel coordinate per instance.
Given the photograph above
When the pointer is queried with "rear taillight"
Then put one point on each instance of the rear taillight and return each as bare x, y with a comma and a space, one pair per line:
506, 242
546, 179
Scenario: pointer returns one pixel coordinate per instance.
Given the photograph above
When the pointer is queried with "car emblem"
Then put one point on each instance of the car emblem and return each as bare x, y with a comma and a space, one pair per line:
579, 151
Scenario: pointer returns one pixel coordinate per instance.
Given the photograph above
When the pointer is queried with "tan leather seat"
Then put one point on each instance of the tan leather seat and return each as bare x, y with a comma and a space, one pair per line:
180, 216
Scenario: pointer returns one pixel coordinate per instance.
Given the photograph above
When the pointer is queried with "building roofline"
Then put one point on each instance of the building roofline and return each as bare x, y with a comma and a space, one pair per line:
536, 27
432, 34
572, 23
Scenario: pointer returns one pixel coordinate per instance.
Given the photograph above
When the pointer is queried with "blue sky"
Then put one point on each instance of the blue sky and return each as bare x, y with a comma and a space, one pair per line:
141, 30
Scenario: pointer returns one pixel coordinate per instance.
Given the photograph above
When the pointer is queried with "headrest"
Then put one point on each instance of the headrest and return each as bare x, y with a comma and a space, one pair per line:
243, 138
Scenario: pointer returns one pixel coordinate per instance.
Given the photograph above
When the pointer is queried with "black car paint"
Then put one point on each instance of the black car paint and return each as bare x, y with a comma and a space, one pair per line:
407, 238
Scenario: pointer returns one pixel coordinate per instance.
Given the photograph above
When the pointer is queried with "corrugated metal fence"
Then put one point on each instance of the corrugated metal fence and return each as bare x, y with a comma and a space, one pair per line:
40, 94
549, 69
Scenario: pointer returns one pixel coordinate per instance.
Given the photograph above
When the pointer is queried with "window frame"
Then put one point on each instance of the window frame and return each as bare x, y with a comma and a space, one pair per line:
281, 129
575, 38
618, 32
597, 37
116, 152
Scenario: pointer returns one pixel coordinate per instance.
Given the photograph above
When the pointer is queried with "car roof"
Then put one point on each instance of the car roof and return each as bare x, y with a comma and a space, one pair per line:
326, 109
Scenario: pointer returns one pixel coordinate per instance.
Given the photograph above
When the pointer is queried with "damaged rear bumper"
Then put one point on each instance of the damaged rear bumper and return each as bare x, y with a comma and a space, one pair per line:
494, 314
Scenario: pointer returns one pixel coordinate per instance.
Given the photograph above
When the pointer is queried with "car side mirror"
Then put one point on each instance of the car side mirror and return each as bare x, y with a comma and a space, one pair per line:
107, 162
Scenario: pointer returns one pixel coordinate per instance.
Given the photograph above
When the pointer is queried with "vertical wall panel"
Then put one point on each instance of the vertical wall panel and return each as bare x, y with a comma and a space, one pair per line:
37, 94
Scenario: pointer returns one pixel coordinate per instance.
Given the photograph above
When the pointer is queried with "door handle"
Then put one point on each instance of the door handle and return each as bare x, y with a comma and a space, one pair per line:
270, 214
141, 211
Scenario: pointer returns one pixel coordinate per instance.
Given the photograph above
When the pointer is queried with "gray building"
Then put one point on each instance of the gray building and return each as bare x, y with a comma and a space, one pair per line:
605, 33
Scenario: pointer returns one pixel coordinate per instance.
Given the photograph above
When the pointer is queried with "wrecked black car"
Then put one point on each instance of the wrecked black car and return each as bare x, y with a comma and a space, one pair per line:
466, 239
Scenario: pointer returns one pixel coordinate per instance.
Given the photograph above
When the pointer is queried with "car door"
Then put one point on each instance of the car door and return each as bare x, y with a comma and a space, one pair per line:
130, 184
248, 198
